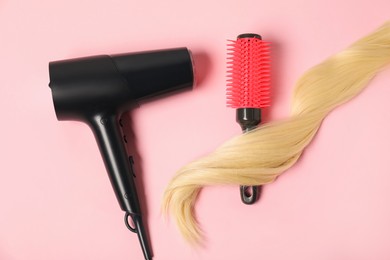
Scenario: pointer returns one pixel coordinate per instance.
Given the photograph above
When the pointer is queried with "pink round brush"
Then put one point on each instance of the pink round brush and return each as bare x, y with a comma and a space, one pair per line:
248, 87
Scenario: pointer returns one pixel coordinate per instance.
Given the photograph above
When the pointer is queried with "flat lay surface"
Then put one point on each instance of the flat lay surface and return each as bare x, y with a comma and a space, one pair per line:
56, 201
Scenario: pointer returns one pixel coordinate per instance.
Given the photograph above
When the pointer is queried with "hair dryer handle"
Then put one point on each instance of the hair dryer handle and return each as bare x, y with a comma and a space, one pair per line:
105, 127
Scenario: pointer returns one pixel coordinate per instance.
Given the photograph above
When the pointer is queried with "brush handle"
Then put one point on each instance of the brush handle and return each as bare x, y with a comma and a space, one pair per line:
248, 119
249, 194
105, 126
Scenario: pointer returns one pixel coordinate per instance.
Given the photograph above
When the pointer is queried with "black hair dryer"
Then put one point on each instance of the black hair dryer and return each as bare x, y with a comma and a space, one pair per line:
97, 90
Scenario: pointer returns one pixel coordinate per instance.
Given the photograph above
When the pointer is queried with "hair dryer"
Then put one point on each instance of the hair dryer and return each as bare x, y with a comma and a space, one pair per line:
97, 90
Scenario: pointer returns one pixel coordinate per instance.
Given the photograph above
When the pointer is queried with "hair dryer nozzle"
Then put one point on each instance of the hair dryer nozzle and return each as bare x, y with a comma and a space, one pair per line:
156, 72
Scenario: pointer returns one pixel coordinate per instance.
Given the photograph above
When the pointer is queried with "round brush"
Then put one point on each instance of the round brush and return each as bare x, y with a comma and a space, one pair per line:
248, 87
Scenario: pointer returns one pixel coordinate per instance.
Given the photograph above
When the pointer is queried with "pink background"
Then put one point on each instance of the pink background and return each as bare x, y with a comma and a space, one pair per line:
55, 198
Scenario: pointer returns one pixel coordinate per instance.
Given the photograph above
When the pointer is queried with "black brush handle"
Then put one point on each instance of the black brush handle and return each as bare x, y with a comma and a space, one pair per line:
248, 119
105, 126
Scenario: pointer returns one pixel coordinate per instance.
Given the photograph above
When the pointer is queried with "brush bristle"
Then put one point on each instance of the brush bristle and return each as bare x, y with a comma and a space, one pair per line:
248, 83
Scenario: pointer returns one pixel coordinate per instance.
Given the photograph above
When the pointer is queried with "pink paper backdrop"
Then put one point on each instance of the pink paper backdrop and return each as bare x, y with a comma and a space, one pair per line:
55, 198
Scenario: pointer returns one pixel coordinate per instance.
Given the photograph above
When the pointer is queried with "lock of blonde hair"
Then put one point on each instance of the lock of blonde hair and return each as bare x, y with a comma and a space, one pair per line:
273, 148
